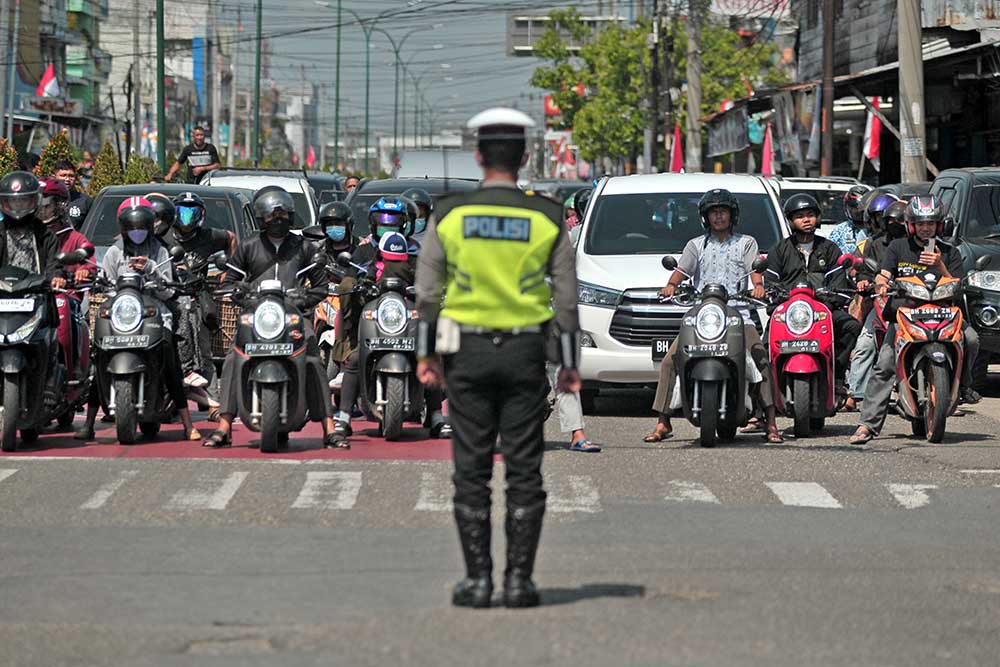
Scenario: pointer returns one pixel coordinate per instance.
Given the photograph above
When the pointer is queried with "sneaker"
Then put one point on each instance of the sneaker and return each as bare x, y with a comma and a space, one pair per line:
195, 380
969, 396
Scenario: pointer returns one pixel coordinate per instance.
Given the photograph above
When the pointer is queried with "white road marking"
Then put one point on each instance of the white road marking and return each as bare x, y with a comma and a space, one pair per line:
573, 493
6, 472
690, 492
212, 496
980, 471
911, 496
436, 491
329, 490
803, 494
102, 495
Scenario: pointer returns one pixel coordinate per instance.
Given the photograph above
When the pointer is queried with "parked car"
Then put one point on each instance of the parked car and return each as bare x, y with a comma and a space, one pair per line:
327, 186
368, 192
972, 199
631, 223
251, 180
828, 191
558, 188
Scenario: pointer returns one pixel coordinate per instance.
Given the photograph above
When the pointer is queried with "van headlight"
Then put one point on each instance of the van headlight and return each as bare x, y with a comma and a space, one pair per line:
24, 332
710, 323
984, 279
269, 320
595, 295
126, 313
799, 317
391, 316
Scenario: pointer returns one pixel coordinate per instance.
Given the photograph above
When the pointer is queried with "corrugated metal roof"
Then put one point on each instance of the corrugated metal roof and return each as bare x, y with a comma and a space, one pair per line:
960, 14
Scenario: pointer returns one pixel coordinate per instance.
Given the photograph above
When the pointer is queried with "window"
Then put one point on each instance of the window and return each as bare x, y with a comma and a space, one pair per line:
983, 212
102, 225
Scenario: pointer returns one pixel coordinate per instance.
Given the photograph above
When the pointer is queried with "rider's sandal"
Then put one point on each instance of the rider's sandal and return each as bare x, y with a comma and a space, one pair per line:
658, 436
755, 425
217, 439
774, 436
862, 436
334, 441
194, 435
584, 445
342, 429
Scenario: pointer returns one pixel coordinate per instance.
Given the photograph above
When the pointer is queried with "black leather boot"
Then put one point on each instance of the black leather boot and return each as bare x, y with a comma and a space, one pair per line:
524, 527
474, 531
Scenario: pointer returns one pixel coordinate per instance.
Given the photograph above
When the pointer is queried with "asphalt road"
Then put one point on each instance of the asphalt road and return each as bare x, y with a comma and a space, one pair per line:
811, 552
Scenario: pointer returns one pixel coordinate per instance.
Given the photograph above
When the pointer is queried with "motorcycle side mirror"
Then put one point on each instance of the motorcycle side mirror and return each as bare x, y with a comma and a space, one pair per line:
983, 262
220, 260
759, 265
176, 253
87, 249
669, 263
319, 259
344, 259
871, 265
846, 261
66, 258
314, 233
411, 291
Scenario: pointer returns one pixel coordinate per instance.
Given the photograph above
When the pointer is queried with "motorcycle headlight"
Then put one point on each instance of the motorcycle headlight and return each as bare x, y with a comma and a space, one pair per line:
945, 291
985, 279
269, 320
918, 292
23, 332
710, 323
595, 295
799, 317
126, 313
391, 316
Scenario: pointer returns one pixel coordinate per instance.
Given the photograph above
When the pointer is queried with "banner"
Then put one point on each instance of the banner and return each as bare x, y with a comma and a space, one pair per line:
728, 133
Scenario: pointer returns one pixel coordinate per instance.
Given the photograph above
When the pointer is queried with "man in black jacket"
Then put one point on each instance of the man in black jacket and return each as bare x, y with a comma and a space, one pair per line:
809, 259
276, 254
25, 241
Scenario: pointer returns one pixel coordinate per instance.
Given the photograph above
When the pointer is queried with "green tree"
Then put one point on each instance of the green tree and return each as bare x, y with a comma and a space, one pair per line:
59, 148
107, 170
8, 158
565, 73
140, 169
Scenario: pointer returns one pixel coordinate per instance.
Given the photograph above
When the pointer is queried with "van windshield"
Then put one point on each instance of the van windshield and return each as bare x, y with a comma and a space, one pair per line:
662, 223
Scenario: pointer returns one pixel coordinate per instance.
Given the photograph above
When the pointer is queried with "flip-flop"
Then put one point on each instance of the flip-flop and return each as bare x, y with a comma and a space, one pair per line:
334, 441
858, 439
658, 436
755, 425
584, 445
217, 439
775, 437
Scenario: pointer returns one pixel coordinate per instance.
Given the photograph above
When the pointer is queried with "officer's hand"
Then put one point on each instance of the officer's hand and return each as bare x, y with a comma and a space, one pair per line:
569, 381
430, 372
58, 282
758, 292
668, 291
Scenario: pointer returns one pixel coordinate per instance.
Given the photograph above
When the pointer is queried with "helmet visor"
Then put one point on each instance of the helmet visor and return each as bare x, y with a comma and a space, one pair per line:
388, 219
19, 206
190, 216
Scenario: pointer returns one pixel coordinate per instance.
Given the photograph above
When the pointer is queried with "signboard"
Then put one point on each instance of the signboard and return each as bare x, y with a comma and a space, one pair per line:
753, 9
960, 14
728, 132
55, 106
913, 147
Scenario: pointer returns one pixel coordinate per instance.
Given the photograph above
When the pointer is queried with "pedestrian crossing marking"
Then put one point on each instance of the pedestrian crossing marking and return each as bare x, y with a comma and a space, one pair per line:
803, 494
6, 472
436, 491
329, 490
681, 491
214, 495
102, 495
911, 496
573, 493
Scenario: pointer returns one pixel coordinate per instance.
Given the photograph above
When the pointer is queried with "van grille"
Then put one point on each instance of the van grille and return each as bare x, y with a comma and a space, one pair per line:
641, 318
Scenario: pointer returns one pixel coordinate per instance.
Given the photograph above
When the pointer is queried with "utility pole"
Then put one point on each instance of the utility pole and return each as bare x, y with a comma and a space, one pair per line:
161, 117
231, 150
696, 15
650, 140
911, 93
826, 127
336, 102
216, 65
136, 79
322, 127
11, 73
5, 50
302, 153
256, 90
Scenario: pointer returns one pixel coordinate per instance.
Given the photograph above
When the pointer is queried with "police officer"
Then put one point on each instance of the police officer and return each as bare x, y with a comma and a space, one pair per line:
492, 333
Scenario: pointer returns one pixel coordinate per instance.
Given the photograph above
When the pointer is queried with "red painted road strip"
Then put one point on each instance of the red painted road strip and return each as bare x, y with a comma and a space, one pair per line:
306, 445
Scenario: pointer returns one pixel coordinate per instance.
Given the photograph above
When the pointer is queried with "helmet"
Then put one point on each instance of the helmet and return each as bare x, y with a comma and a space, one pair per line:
854, 203
582, 198
269, 200
388, 214
53, 188
136, 219
924, 208
800, 202
877, 205
893, 219
190, 214
20, 194
163, 209
337, 214
393, 247
420, 198
719, 197
53, 202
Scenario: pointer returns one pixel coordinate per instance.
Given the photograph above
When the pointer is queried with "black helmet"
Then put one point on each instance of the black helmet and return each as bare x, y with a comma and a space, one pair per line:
270, 199
163, 209
20, 195
190, 214
894, 219
801, 202
337, 214
412, 213
854, 202
581, 199
420, 198
719, 197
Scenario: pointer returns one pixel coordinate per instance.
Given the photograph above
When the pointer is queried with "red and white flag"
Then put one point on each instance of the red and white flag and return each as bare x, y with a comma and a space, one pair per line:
676, 152
310, 157
48, 86
873, 131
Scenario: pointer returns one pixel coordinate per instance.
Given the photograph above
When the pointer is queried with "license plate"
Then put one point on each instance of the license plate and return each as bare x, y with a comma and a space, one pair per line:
17, 305
923, 314
408, 344
805, 345
268, 349
707, 350
125, 342
660, 348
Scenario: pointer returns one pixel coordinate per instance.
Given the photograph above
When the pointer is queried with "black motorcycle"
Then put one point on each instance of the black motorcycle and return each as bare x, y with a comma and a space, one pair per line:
31, 358
387, 361
270, 347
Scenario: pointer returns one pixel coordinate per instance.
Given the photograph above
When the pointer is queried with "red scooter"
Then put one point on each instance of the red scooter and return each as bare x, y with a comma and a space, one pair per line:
800, 343
73, 334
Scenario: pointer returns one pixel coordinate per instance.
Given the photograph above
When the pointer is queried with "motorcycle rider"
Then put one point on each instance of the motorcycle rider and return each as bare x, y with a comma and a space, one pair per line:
26, 242
278, 254
138, 251
852, 231
805, 257
909, 256
721, 256
164, 210
337, 221
425, 206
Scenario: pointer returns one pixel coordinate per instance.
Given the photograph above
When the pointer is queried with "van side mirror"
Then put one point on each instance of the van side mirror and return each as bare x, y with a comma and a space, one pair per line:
669, 263
949, 227
983, 262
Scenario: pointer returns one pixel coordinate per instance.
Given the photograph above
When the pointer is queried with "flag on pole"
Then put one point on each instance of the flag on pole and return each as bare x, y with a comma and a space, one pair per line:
676, 152
873, 131
767, 158
48, 86
310, 157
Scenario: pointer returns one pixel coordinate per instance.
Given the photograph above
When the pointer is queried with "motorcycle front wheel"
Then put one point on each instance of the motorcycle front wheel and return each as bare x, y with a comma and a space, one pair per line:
126, 412
709, 416
801, 396
938, 402
392, 415
11, 408
270, 418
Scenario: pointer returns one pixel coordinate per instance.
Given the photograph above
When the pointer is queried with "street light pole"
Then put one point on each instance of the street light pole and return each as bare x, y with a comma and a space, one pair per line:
256, 89
396, 48
161, 117
336, 104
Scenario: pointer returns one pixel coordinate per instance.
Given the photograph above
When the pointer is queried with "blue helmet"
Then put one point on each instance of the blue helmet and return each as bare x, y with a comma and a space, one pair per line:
388, 214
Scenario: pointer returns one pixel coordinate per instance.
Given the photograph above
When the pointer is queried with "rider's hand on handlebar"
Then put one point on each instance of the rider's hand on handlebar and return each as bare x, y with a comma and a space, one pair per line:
137, 263
758, 292
668, 291
882, 289
58, 282
863, 285
81, 275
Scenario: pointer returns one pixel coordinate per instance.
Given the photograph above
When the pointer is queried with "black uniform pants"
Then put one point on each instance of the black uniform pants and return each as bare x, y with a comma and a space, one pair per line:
497, 385
846, 330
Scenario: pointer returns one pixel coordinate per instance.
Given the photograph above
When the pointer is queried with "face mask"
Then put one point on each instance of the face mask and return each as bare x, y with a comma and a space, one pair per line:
137, 236
279, 228
419, 225
380, 231
336, 234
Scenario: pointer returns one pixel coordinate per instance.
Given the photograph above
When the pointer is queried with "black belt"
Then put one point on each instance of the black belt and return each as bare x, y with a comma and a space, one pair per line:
532, 328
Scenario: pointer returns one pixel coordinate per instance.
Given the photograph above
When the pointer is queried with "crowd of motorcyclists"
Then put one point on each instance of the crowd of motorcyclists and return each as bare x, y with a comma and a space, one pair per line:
305, 298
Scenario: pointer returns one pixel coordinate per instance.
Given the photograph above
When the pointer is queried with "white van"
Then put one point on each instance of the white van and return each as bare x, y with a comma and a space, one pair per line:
631, 223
